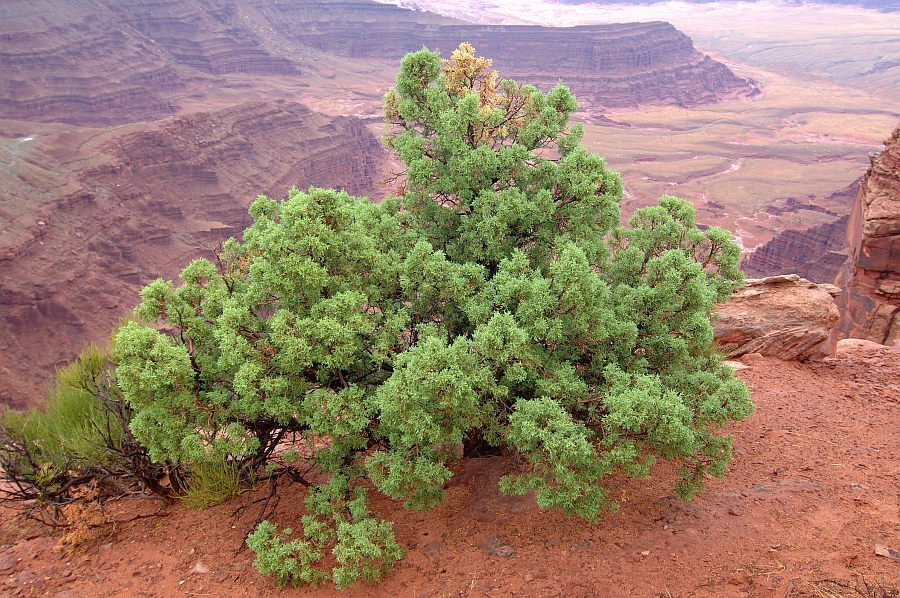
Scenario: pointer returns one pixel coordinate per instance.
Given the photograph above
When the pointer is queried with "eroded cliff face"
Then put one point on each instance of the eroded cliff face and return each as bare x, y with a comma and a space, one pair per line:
133, 204
816, 254
110, 62
870, 304
72, 62
102, 62
604, 65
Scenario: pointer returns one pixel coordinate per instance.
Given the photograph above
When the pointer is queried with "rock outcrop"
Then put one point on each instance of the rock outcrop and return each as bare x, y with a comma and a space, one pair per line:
785, 316
102, 62
816, 254
604, 65
110, 62
141, 203
870, 278
69, 61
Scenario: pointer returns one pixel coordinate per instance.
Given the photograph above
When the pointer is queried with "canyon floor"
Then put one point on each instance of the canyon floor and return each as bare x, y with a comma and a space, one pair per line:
810, 507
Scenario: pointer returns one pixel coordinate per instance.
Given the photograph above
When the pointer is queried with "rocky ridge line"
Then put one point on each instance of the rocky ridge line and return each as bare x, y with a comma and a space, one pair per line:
103, 62
618, 65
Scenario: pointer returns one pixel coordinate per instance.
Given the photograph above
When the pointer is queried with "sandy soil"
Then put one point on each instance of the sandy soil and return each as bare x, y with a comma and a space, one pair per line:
812, 498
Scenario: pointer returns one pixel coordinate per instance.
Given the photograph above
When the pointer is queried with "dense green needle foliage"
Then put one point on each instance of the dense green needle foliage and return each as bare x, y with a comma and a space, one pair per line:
495, 299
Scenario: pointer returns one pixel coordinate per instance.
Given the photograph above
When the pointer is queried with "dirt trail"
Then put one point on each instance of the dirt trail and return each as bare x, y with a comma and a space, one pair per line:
813, 492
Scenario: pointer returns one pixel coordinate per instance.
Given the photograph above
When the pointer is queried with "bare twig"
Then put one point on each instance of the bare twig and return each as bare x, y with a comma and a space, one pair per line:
787, 592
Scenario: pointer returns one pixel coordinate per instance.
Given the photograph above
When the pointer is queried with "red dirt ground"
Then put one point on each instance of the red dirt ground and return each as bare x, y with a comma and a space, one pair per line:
813, 493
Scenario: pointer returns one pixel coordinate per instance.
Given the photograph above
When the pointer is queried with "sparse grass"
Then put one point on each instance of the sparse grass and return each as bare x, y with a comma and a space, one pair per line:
84, 519
211, 484
57, 460
70, 432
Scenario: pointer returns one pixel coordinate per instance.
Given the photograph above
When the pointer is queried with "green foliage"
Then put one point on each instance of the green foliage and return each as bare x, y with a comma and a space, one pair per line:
496, 297
68, 424
361, 546
288, 561
80, 437
210, 484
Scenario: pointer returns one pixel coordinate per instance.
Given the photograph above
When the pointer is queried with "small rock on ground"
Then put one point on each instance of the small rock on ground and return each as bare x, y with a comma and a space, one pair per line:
497, 546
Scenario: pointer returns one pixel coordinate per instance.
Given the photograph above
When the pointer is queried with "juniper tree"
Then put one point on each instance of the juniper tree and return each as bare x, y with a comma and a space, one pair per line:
494, 299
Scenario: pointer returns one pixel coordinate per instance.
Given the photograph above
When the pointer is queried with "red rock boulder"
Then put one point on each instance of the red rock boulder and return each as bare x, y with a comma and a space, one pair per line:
785, 316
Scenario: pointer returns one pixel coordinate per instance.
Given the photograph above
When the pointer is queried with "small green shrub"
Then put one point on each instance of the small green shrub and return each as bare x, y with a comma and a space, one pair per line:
41, 448
79, 437
363, 547
66, 427
210, 483
288, 561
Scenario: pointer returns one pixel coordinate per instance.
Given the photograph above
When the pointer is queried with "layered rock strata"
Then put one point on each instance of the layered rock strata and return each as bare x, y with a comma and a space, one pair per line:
870, 278
785, 316
140, 204
604, 65
70, 61
102, 62
109, 62
816, 253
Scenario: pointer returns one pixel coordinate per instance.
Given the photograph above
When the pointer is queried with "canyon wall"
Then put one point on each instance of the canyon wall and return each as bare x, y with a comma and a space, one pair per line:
817, 253
604, 65
73, 62
140, 204
870, 278
102, 62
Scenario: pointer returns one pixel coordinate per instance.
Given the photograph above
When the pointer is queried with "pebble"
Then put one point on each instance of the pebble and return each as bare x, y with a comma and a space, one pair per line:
497, 546
434, 550
583, 545
890, 553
